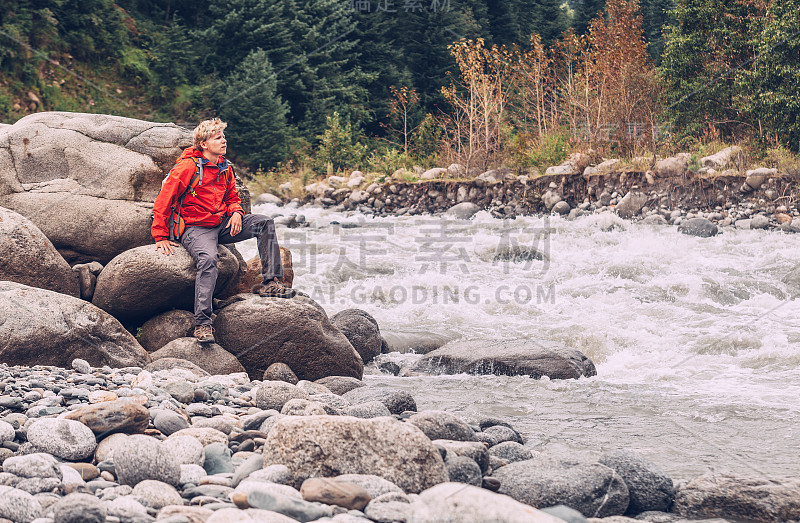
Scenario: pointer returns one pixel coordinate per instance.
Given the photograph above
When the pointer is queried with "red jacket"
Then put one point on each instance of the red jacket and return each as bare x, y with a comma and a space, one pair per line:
215, 198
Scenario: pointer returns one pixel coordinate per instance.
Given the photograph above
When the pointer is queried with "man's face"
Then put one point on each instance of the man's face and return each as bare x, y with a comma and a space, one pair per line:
216, 144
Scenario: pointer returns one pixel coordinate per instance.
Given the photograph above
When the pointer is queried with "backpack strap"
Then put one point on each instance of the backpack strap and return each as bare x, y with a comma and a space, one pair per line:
175, 216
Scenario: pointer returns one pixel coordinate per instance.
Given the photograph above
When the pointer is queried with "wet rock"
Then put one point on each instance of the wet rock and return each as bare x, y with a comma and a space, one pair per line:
142, 281
463, 210
397, 401
759, 221
508, 357
472, 504
63, 438
280, 372
320, 446
361, 330
736, 497
335, 492
164, 328
462, 469
29, 258
143, 457
698, 227
275, 394
648, 486
48, 328
217, 459
592, 489
297, 332
437, 424
340, 384
112, 416
208, 356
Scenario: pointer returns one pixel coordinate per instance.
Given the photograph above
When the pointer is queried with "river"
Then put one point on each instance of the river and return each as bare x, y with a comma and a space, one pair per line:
696, 340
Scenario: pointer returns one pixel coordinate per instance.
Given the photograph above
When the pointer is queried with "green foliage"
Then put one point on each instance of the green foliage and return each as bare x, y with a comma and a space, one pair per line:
425, 140
770, 92
552, 149
255, 113
339, 148
388, 160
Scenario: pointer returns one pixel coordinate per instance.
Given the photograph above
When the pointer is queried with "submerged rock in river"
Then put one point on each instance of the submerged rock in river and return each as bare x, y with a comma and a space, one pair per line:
510, 358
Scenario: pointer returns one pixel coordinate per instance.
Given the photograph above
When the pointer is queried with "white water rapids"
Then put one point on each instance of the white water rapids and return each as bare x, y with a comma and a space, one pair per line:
696, 340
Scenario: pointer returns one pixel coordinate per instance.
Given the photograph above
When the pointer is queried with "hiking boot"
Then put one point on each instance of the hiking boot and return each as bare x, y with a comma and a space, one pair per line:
204, 333
274, 289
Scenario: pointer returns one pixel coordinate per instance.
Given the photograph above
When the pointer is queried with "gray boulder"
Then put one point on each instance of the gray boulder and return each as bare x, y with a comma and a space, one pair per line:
340, 384
162, 329
79, 508
649, 487
739, 498
328, 446
142, 281
297, 332
361, 330
592, 489
698, 227
40, 327
508, 357
437, 424
631, 204
723, 158
462, 211
397, 401
673, 166
143, 457
275, 394
18, 506
208, 356
28, 257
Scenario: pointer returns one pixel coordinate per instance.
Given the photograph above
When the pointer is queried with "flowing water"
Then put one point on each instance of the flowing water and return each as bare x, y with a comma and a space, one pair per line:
696, 340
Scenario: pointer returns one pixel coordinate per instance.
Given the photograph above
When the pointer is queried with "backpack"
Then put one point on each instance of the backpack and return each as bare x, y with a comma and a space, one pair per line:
175, 222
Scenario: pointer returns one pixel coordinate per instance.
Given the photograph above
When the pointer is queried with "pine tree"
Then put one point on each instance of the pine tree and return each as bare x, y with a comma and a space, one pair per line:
585, 11
255, 113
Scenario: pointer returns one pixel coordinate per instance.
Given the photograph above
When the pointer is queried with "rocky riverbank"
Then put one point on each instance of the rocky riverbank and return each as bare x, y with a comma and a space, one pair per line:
658, 191
170, 442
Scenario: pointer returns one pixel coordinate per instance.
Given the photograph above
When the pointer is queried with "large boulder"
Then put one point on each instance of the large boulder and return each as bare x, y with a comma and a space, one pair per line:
510, 358
28, 257
739, 498
141, 282
591, 488
631, 204
361, 330
210, 357
262, 331
162, 329
649, 487
41, 327
88, 181
327, 446
673, 166
252, 275
698, 227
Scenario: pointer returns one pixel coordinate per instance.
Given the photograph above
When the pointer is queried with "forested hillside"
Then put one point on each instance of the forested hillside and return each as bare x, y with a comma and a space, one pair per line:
358, 77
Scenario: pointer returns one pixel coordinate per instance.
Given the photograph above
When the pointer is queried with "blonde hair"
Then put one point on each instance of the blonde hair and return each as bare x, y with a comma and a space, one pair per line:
205, 130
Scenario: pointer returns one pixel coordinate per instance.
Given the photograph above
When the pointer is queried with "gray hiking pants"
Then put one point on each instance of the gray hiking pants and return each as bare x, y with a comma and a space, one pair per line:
201, 243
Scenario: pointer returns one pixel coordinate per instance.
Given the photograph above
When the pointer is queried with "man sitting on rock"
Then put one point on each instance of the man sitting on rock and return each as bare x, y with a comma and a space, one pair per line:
211, 212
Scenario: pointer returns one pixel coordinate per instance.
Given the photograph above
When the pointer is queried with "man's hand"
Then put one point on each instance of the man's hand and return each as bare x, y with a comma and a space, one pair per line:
165, 246
235, 223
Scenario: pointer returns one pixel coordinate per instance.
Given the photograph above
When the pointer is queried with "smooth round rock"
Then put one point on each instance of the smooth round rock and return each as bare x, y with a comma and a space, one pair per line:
169, 422
81, 366
157, 493
437, 424
280, 372
18, 505
333, 492
112, 416
511, 451
105, 449
63, 438
143, 457
79, 508
37, 465
217, 459
185, 449
275, 394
